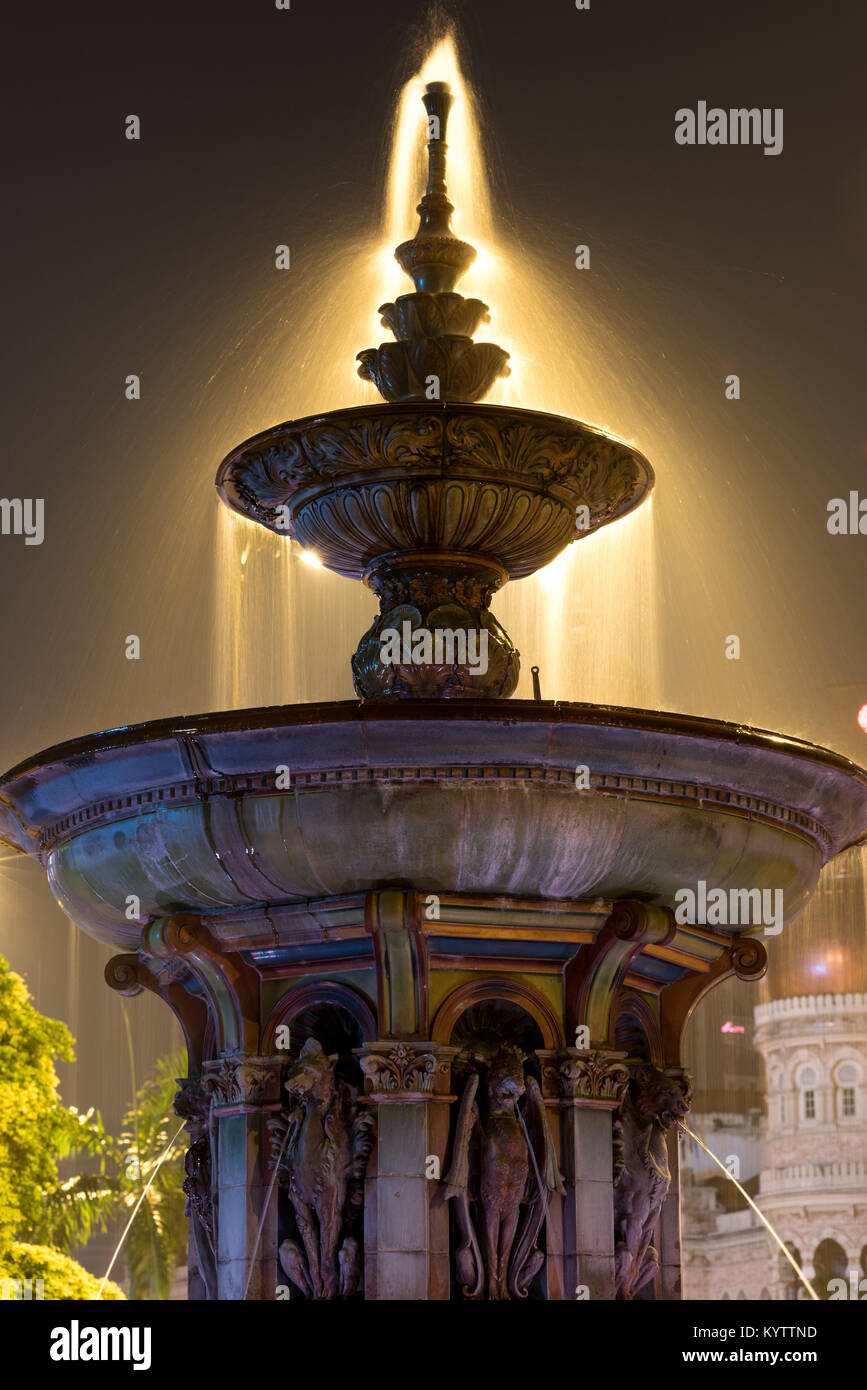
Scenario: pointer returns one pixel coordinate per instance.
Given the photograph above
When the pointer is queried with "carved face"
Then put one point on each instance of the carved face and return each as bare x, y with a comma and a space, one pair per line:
312, 1076
506, 1074
663, 1099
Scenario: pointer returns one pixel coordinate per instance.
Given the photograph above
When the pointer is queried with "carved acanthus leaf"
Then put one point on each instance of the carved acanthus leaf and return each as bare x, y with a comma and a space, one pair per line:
239, 1079
592, 1076
403, 1069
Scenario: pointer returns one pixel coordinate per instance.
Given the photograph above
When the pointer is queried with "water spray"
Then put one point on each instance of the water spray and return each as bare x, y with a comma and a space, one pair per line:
764, 1220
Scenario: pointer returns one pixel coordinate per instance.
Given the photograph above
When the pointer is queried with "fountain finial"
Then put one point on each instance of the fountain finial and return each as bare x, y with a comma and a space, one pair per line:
435, 357
435, 259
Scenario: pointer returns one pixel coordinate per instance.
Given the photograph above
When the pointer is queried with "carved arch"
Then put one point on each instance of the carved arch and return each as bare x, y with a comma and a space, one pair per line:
306, 996
482, 991
635, 1006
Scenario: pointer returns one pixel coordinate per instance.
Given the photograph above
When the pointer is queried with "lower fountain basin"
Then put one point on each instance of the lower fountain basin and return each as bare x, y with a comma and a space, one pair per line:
187, 814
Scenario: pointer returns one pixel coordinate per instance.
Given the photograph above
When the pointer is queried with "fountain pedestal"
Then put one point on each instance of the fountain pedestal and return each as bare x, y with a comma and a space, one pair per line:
422, 981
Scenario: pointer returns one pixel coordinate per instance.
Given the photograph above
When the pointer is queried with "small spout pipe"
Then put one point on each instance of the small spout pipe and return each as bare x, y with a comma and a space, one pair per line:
537, 689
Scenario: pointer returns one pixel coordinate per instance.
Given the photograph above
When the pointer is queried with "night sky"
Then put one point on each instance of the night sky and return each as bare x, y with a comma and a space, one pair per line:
261, 126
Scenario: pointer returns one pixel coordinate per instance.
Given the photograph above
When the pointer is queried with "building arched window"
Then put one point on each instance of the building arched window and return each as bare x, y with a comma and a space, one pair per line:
847, 1078
807, 1081
829, 1262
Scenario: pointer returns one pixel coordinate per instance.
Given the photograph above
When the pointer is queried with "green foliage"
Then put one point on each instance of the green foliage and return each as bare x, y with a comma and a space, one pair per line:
157, 1240
62, 1277
36, 1129
34, 1125
80, 1205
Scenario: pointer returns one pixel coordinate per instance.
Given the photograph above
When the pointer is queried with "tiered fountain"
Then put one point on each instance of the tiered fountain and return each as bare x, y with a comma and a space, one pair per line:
422, 945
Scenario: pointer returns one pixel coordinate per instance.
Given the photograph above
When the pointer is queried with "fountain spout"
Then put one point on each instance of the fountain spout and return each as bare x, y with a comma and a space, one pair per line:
435, 259
434, 357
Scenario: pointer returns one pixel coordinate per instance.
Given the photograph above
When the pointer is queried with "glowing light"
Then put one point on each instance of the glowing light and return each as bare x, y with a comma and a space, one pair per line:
729, 1027
311, 558
862, 718
244, 556
553, 577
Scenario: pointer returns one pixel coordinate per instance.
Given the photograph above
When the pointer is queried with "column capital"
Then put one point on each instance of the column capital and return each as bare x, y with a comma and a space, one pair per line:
400, 1071
596, 1079
240, 1081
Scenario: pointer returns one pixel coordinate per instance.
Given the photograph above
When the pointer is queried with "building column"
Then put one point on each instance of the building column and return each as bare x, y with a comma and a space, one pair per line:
406, 1221
245, 1092
590, 1087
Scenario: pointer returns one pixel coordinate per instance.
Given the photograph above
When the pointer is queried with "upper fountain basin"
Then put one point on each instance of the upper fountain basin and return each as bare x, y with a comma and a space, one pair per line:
423, 476
186, 814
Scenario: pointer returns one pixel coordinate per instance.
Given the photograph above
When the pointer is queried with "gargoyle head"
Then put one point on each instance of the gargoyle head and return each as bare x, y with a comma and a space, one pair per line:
506, 1074
658, 1097
311, 1078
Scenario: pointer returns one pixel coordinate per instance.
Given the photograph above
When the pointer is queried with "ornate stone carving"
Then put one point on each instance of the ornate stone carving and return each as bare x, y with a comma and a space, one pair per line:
520, 476
320, 1144
414, 316
654, 1101
240, 1079
464, 371
404, 1069
503, 1164
435, 259
580, 465
400, 490
192, 1104
446, 607
588, 1076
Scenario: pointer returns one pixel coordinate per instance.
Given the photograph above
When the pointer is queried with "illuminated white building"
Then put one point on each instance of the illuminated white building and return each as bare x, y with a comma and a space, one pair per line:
811, 1177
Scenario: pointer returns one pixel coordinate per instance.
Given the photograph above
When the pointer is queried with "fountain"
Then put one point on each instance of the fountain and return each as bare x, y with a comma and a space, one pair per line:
428, 948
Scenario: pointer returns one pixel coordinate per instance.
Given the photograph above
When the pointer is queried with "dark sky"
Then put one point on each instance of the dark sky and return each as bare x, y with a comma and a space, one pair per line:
261, 126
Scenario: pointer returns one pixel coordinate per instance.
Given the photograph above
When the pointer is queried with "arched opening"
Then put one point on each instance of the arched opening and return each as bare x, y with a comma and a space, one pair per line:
317, 1029
501, 1154
807, 1082
829, 1262
636, 1030
847, 1078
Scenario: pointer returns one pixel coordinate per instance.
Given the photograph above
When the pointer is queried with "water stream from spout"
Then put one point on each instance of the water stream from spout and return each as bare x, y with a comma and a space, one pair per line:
265, 1206
160, 1161
764, 1220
